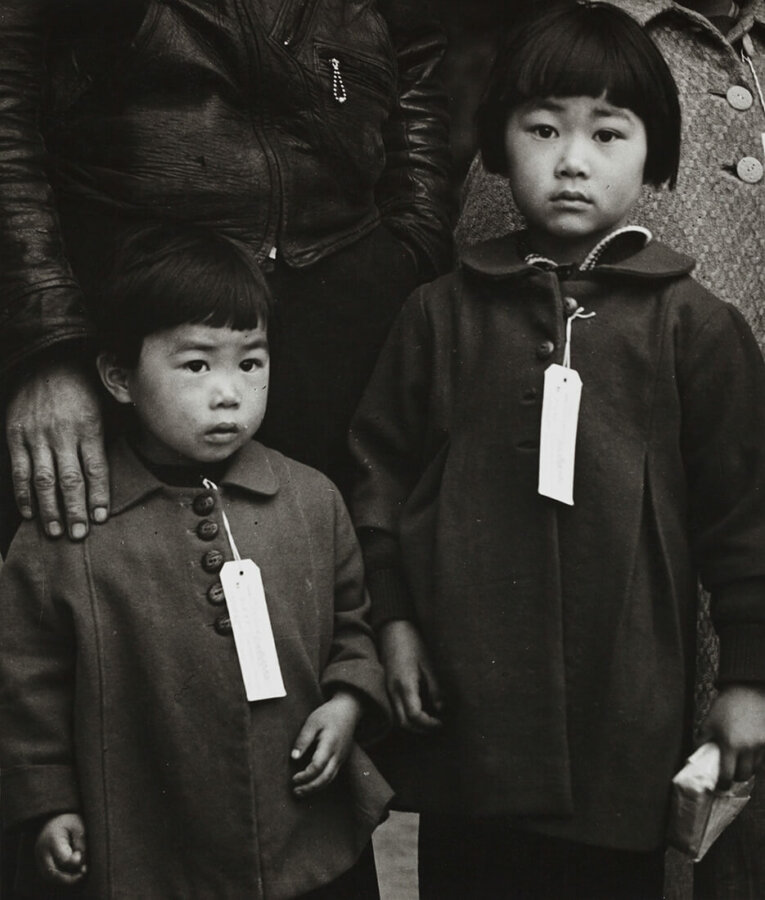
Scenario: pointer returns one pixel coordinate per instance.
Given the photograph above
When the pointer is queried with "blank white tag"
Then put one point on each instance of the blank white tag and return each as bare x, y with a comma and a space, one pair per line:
557, 438
253, 636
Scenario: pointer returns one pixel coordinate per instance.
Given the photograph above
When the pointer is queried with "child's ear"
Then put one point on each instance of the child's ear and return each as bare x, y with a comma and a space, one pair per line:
114, 376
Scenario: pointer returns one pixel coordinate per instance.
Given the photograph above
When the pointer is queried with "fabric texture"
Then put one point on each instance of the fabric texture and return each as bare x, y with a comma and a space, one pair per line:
121, 694
563, 637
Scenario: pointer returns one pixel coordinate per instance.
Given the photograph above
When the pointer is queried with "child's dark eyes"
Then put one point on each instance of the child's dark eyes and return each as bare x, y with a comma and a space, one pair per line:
543, 131
606, 136
196, 365
250, 365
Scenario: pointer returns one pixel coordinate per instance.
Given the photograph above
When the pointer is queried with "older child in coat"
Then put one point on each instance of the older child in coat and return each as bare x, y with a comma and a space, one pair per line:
536, 605
129, 743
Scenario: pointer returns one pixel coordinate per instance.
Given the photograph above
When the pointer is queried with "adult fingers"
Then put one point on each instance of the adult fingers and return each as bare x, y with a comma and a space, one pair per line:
44, 483
71, 485
96, 472
21, 471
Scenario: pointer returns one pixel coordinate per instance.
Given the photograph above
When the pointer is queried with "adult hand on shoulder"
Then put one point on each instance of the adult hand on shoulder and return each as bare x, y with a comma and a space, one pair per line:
736, 723
413, 689
55, 437
60, 849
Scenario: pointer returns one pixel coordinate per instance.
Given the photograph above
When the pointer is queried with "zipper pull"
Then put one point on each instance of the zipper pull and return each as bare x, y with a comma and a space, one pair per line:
338, 86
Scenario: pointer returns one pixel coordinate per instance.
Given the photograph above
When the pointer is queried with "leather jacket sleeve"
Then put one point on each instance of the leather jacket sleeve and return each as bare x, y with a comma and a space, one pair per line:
40, 302
414, 194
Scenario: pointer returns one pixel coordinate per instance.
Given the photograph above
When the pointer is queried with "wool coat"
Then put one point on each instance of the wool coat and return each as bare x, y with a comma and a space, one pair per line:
121, 694
713, 214
563, 636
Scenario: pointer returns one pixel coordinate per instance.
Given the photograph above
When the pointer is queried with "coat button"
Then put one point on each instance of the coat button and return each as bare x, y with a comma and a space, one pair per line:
545, 349
203, 504
212, 561
570, 305
223, 625
207, 530
739, 97
749, 169
215, 594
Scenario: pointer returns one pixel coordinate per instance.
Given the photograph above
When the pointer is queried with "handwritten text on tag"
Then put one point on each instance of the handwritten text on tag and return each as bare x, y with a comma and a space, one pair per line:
254, 638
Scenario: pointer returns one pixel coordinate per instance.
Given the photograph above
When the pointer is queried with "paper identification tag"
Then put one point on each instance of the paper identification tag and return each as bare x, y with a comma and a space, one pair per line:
557, 438
253, 636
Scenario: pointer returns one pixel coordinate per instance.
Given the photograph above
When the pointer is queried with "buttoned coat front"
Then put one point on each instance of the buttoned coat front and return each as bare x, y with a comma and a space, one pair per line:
120, 697
563, 636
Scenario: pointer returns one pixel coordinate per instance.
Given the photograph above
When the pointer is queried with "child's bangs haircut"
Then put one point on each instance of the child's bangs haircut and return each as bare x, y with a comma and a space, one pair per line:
584, 50
164, 276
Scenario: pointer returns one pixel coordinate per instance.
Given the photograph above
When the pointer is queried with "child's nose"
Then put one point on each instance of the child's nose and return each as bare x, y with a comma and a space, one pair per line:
226, 394
573, 159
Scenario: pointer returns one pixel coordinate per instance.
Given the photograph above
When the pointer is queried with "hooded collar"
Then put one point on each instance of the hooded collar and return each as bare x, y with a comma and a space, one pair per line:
131, 481
500, 258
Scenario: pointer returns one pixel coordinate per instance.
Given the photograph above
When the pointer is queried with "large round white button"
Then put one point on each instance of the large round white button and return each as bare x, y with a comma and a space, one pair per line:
749, 169
739, 97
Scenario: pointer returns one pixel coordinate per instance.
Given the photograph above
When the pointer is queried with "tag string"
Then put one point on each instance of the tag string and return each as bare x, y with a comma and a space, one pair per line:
211, 486
579, 314
748, 60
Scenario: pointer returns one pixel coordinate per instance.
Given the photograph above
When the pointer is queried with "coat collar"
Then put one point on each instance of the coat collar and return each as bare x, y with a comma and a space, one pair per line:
500, 258
647, 10
251, 470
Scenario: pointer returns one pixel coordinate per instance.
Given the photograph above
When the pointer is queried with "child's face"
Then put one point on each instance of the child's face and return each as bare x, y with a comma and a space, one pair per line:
199, 392
575, 166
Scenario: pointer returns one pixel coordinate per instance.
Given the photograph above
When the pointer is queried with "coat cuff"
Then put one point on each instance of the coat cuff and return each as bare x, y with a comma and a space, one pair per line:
30, 792
390, 597
742, 653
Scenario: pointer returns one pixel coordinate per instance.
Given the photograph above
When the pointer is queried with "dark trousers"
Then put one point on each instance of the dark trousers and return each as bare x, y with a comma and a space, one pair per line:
332, 319
466, 858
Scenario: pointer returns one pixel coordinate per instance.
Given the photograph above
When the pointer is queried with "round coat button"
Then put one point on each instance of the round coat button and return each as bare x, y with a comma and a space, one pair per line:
545, 349
739, 97
223, 625
203, 504
207, 530
570, 305
212, 561
215, 594
749, 169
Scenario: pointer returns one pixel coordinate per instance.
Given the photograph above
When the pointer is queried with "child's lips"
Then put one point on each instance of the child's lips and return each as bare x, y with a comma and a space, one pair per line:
223, 431
574, 197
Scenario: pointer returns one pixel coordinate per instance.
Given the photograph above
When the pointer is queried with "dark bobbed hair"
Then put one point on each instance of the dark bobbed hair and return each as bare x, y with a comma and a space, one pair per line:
165, 275
584, 50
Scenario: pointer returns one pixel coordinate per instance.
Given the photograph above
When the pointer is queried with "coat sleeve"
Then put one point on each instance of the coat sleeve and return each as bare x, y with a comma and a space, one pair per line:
723, 384
36, 687
40, 302
414, 192
389, 445
353, 661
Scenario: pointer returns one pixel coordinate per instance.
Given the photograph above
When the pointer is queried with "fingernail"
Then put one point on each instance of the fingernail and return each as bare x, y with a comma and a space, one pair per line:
295, 754
26, 512
55, 529
79, 531
100, 514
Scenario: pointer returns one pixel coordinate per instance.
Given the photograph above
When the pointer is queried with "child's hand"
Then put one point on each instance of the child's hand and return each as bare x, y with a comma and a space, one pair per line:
412, 686
736, 723
60, 849
329, 729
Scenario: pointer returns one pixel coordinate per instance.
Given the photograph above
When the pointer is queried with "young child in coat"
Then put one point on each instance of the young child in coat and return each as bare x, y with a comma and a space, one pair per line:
131, 749
559, 439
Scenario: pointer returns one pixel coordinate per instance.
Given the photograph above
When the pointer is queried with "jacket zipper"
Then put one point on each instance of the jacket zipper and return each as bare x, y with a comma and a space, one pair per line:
296, 29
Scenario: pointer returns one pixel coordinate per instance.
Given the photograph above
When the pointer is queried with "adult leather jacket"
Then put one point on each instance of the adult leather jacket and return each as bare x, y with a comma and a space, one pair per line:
290, 124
